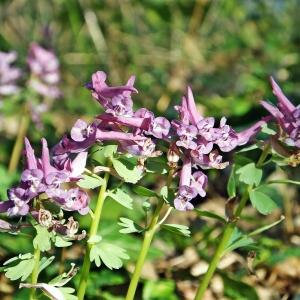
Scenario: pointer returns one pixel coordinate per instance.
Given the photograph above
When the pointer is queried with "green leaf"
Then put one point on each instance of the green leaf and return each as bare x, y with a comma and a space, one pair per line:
60, 242
45, 262
142, 191
111, 255
121, 197
249, 148
95, 239
266, 227
162, 289
249, 174
236, 290
237, 240
262, 202
157, 165
95, 255
127, 171
42, 240
90, 182
208, 214
231, 185
22, 270
178, 229
67, 292
101, 153
129, 226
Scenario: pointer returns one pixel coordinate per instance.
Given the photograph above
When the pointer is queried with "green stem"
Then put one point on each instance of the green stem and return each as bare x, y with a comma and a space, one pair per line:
228, 230
93, 232
18, 146
144, 251
148, 237
35, 272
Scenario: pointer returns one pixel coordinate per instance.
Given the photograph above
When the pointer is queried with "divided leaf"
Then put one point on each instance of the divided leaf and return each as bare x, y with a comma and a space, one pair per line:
178, 229
250, 174
90, 182
121, 197
127, 170
262, 202
111, 255
42, 240
129, 226
142, 191
22, 270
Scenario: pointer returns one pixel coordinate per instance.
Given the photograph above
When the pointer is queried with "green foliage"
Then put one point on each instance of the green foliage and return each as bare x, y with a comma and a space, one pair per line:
90, 182
178, 229
127, 170
42, 240
208, 214
61, 242
45, 262
237, 290
142, 191
231, 184
22, 269
121, 197
262, 201
110, 254
159, 290
250, 174
129, 226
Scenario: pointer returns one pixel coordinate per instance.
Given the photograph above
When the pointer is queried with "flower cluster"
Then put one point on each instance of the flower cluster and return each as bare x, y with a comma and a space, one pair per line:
287, 116
40, 177
8, 74
193, 137
135, 131
201, 143
44, 67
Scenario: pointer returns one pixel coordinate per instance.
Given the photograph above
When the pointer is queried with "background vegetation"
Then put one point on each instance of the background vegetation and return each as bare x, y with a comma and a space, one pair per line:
224, 49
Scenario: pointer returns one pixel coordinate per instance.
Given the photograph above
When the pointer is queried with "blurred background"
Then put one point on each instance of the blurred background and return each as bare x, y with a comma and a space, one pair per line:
224, 49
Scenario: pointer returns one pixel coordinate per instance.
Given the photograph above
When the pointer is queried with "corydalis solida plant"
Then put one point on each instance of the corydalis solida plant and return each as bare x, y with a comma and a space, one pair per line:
191, 145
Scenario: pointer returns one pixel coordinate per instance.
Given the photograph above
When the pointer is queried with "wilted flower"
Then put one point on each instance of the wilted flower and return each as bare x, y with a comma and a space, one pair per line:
44, 67
287, 115
8, 75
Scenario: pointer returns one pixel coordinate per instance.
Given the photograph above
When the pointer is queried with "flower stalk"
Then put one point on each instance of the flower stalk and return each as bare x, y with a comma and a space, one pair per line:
18, 146
148, 237
35, 272
93, 232
228, 230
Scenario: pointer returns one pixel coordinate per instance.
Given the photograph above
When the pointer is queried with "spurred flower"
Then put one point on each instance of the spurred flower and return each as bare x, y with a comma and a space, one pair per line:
9, 75
287, 115
44, 67
41, 177
202, 142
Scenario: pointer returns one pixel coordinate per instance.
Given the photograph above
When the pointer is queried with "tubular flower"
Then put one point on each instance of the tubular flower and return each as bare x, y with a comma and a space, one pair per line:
8, 75
287, 115
45, 75
41, 177
202, 144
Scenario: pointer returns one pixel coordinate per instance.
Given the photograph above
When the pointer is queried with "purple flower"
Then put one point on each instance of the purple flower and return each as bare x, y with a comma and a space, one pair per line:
8, 75
287, 116
202, 143
183, 198
40, 176
44, 67
115, 100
